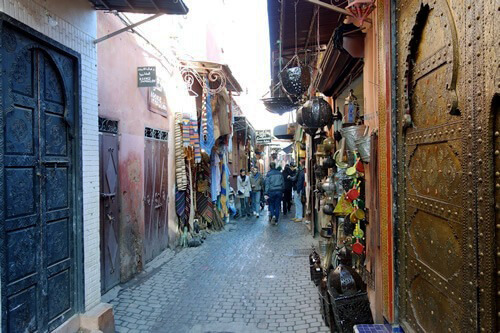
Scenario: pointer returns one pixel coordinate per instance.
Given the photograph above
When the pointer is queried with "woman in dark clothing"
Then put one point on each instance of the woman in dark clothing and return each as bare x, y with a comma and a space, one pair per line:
287, 193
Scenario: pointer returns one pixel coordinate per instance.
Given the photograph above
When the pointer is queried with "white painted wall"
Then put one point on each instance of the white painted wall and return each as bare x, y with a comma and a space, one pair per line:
76, 29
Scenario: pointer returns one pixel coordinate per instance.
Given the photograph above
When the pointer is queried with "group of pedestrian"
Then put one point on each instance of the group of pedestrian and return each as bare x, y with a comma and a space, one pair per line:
277, 187
249, 189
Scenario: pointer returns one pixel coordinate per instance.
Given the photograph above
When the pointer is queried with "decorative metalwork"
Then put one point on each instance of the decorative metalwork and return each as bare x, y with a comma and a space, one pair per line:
296, 80
155, 134
108, 126
315, 113
445, 253
279, 105
347, 296
216, 78
37, 192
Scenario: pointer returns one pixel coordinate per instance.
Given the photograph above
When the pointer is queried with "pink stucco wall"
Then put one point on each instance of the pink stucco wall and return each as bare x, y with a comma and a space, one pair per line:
120, 99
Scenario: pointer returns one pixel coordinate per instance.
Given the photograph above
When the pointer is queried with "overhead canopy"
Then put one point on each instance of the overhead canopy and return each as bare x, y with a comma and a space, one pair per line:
282, 132
242, 125
207, 67
288, 149
143, 6
282, 13
338, 70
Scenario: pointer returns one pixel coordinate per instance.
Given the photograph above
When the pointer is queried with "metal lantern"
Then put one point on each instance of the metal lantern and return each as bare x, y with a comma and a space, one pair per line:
295, 80
315, 113
280, 105
347, 294
360, 9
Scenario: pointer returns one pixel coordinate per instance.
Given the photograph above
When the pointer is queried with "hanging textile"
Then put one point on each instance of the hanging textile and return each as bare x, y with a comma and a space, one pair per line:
230, 138
215, 117
204, 102
186, 130
180, 166
180, 204
223, 113
224, 186
207, 140
215, 175
195, 139
204, 202
188, 195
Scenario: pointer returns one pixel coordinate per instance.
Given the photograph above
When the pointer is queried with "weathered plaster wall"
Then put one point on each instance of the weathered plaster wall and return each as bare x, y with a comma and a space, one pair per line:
120, 99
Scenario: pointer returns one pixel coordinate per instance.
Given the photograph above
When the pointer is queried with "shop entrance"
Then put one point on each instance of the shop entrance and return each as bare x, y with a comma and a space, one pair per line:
109, 208
38, 178
155, 193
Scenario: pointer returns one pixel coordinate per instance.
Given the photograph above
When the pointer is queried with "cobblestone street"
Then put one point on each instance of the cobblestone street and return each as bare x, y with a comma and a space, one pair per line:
252, 277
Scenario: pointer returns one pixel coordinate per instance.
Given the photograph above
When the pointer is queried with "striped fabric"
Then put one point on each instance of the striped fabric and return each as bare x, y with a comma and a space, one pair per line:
204, 129
204, 203
195, 139
208, 140
187, 209
186, 130
180, 166
180, 204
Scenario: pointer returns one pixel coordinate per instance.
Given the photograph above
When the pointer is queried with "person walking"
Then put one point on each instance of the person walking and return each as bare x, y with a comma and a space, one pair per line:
287, 192
298, 187
243, 194
273, 188
256, 181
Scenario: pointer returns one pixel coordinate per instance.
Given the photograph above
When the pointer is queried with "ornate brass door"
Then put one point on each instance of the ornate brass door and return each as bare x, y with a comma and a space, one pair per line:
437, 250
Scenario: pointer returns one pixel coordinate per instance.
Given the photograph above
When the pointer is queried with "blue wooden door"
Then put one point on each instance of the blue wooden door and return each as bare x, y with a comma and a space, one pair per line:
36, 171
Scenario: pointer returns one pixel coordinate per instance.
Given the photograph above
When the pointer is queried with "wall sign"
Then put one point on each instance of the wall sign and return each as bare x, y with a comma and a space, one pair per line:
263, 137
146, 76
157, 99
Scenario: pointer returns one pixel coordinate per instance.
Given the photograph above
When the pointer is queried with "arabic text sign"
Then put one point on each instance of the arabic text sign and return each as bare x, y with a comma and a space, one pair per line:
263, 137
146, 76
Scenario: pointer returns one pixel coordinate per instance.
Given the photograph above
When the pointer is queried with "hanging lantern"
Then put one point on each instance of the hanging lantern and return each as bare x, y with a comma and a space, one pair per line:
315, 113
279, 105
296, 80
360, 9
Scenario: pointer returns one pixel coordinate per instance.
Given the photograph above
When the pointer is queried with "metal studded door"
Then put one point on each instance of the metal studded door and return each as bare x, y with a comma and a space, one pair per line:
109, 210
437, 255
37, 179
155, 193
448, 85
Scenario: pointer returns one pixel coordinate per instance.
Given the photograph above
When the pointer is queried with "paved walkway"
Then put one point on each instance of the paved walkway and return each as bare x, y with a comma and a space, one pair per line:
252, 277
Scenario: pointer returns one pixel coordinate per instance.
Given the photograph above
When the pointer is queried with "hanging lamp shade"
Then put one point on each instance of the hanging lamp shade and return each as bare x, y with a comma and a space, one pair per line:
360, 9
295, 80
315, 113
279, 105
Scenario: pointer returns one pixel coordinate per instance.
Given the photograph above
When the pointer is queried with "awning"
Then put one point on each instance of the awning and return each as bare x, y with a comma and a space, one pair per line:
338, 68
176, 7
281, 132
207, 68
281, 18
288, 149
242, 125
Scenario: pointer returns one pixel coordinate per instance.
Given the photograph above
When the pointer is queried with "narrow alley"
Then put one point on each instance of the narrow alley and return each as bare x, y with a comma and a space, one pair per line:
249, 166
251, 277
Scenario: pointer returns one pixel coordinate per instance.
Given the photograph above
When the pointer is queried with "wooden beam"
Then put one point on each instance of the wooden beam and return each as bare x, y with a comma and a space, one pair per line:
331, 7
129, 27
